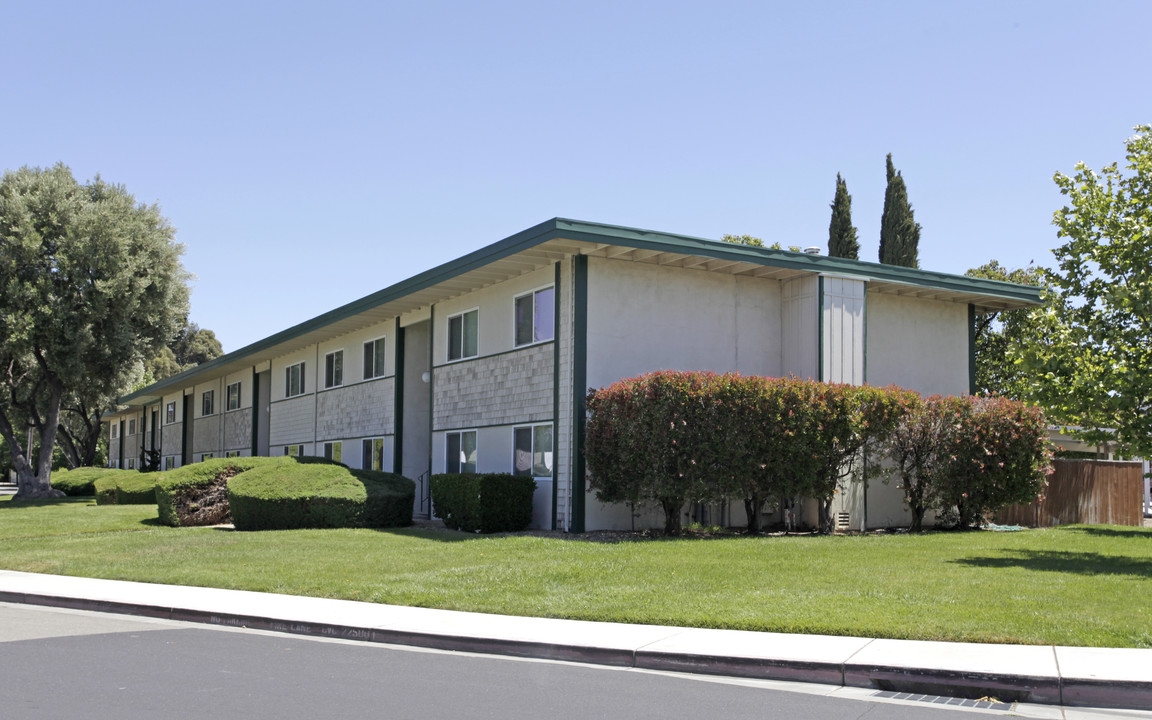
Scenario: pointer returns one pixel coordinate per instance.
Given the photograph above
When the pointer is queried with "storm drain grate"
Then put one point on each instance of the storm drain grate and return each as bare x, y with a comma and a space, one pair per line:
938, 700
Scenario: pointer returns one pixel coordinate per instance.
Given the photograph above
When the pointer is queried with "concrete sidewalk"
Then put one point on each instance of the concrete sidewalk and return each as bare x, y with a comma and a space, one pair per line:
1084, 677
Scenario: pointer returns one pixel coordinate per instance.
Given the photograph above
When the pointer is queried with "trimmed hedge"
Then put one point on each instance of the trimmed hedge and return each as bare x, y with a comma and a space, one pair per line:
127, 488
174, 486
81, 481
305, 492
483, 503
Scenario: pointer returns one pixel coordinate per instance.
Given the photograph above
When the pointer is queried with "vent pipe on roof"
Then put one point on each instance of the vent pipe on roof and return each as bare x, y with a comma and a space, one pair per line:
814, 250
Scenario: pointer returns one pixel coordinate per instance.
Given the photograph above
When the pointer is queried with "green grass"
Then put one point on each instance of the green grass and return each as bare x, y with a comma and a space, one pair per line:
1076, 585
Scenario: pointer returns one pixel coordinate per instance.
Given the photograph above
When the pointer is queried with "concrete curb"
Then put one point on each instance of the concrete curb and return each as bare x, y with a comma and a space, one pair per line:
1084, 677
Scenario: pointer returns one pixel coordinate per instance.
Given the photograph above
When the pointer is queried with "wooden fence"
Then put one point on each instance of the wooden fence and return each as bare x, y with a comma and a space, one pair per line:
1097, 492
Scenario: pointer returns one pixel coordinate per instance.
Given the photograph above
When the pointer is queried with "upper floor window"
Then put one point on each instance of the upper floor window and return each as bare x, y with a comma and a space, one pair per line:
294, 380
373, 358
535, 316
170, 413
462, 335
115, 432
132, 426
334, 369
234, 396
208, 403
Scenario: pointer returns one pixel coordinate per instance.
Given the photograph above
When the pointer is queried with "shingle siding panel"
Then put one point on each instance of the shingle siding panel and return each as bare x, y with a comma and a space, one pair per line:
499, 390
360, 410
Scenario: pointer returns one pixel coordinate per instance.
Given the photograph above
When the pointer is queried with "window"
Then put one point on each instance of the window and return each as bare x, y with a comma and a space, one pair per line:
334, 369
132, 426
333, 451
115, 431
294, 380
169, 462
294, 450
234, 396
533, 451
374, 359
535, 316
170, 413
206, 456
131, 463
208, 403
232, 453
461, 455
372, 454
462, 342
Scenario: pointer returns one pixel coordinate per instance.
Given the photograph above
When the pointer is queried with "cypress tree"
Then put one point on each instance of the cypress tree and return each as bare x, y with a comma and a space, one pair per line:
842, 240
899, 231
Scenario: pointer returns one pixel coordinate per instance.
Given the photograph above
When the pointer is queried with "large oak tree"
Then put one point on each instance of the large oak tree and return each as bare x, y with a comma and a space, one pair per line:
91, 284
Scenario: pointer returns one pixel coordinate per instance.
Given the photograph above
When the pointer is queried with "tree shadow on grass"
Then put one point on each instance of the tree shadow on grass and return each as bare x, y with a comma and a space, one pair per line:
1114, 531
1076, 563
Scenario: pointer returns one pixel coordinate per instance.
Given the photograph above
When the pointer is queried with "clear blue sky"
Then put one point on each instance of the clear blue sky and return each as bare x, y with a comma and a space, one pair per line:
312, 153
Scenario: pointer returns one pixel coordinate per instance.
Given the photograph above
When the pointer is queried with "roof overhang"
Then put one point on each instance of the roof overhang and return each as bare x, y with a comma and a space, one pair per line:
543, 245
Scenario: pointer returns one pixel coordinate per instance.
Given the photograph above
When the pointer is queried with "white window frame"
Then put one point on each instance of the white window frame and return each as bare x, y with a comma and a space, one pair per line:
228, 395
534, 331
331, 371
296, 450
170, 408
531, 428
299, 367
460, 444
131, 463
114, 430
448, 335
334, 450
131, 426
373, 447
208, 403
373, 372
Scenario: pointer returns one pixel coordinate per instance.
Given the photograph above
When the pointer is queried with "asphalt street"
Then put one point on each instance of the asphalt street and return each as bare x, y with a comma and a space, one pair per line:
58, 663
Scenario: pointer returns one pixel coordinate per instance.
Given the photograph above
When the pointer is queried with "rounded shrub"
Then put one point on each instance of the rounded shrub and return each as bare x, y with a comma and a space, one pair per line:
307, 492
197, 494
483, 502
81, 481
128, 487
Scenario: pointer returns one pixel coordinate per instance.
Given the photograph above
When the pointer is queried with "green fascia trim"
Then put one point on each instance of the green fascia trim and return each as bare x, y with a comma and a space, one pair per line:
579, 389
561, 228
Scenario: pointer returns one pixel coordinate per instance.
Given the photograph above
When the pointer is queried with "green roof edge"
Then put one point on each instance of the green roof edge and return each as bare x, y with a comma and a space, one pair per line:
611, 235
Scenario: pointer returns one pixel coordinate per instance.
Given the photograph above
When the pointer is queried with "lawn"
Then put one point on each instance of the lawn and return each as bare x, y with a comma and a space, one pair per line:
1077, 585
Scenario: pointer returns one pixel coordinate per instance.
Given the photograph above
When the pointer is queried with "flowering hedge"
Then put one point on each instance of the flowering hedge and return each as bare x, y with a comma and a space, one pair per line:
677, 437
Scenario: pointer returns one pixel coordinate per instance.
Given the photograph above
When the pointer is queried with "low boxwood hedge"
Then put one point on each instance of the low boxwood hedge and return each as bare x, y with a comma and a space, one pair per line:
303, 492
484, 503
196, 494
81, 481
128, 487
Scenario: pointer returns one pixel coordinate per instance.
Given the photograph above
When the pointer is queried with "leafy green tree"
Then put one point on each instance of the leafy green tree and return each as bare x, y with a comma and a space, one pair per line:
1091, 368
899, 231
742, 240
90, 284
996, 372
842, 241
194, 346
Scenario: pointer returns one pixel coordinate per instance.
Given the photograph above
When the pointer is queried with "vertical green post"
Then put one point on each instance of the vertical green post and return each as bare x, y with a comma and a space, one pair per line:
555, 390
820, 328
398, 404
579, 388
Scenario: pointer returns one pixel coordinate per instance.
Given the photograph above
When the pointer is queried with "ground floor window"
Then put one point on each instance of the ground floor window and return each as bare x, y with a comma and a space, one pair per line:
232, 453
372, 454
131, 463
293, 450
532, 450
333, 451
206, 456
169, 462
461, 452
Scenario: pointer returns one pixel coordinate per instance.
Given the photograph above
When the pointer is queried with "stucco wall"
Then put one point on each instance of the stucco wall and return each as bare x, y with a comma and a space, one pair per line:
918, 344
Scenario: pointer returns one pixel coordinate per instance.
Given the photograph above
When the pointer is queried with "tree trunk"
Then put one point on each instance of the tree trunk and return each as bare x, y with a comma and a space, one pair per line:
671, 508
752, 507
917, 517
825, 516
35, 483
